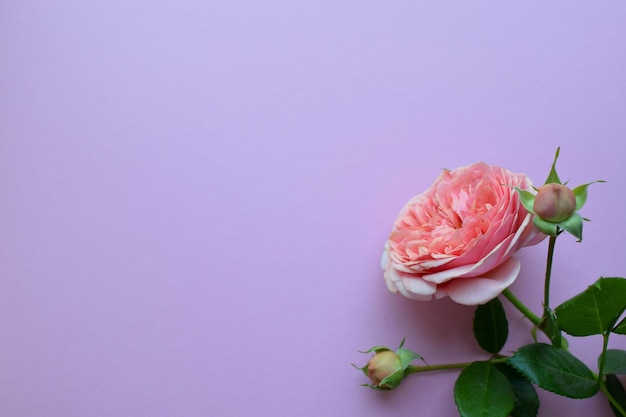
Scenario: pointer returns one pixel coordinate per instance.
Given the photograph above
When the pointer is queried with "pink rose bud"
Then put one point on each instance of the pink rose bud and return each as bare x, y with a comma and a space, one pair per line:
385, 370
554, 203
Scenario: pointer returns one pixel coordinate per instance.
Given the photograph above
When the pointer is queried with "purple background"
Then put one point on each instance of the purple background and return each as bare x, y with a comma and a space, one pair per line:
196, 194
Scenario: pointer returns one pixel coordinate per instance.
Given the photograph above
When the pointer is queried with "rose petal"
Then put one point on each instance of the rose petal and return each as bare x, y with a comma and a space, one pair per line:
486, 264
429, 265
384, 261
526, 235
480, 290
531, 235
449, 238
418, 287
409, 285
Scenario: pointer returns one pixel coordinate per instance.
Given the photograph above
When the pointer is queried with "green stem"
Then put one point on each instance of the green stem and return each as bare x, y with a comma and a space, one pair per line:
536, 320
603, 388
414, 369
521, 307
612, 400
546, 290
605, 343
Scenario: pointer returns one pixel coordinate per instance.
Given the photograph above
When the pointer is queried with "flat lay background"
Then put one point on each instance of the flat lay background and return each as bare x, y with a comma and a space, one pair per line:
196, 194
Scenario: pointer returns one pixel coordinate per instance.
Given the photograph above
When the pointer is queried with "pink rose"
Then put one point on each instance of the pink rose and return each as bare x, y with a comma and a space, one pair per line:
457, 238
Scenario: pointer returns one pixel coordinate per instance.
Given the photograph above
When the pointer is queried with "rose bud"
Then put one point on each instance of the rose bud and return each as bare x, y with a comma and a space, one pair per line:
385, 370
554, 202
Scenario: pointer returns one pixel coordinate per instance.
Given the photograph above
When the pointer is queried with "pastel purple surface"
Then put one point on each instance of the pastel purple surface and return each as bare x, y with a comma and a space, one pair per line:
196, 194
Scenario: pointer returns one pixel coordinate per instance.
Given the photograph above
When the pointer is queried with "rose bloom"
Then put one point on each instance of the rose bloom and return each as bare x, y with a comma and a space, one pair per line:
456, 239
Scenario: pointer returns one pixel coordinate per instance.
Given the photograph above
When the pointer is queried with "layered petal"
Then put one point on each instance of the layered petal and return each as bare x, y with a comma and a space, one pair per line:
457, 233
480, 290
409, 285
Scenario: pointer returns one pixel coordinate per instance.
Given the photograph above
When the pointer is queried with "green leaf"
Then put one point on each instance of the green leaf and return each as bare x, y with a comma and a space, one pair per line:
614, 361
555, 370
481, 390
616, 389
580, 193
595, 310
553, 177
490, 326
526, 198
545, 227
526, 400
621, 327
573, 225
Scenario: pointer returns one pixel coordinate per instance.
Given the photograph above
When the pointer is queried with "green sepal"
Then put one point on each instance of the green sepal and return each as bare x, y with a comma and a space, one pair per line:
407, 357
526, 400
580, 193
388, 383
616, 389
375, 387
614, 361
402, 342
553, 177
482, 390
490, 326
573, 225
545, 227
555, 370
375, 349
363, 369
392, 381
526, 198
595, 310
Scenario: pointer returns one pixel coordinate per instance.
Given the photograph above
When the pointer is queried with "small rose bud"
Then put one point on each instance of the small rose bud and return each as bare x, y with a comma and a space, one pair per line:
554, 202
386, 369
383, 365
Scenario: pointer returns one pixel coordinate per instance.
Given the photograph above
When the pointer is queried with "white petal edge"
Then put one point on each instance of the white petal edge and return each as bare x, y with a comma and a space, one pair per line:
409, 285
480, 290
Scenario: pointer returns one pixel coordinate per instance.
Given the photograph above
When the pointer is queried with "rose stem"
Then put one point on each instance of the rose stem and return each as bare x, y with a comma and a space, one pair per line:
546, 290
521, 307
603, 388
612, 400
414, 369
